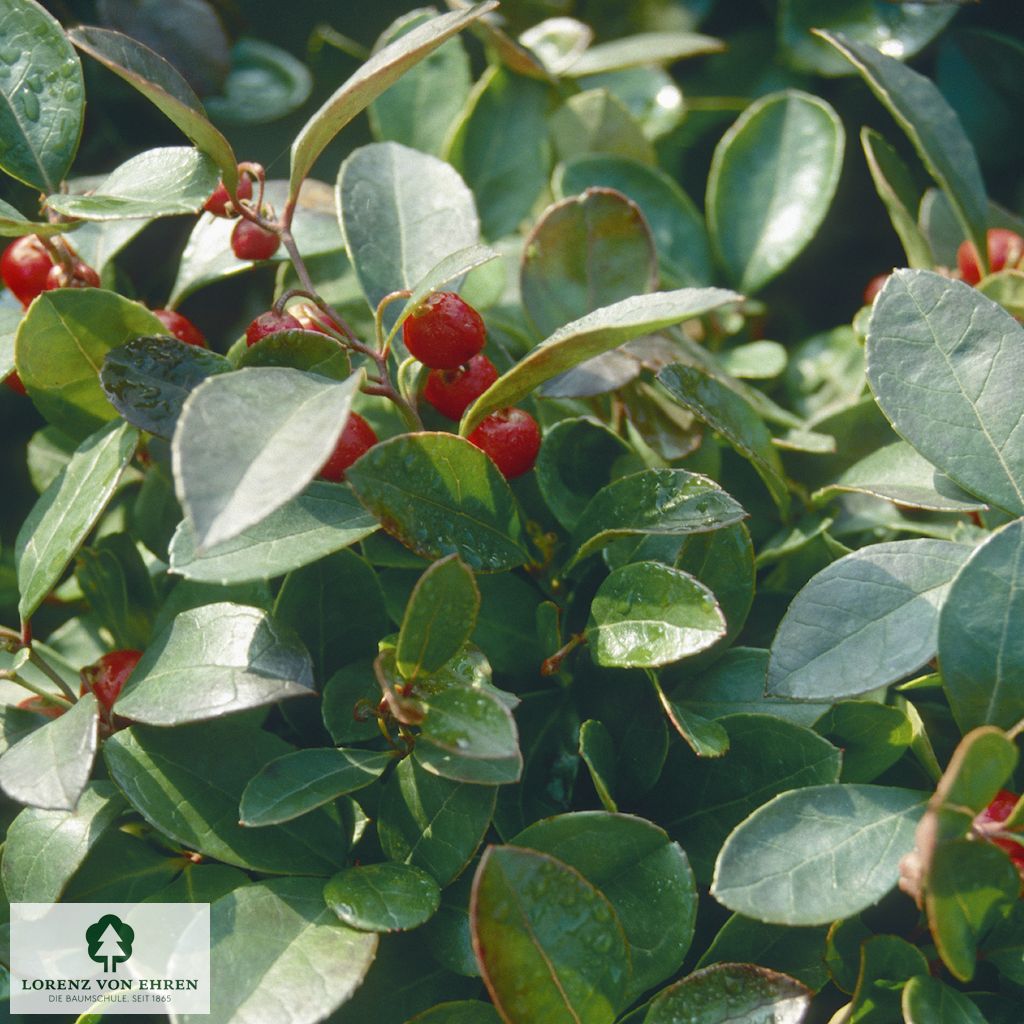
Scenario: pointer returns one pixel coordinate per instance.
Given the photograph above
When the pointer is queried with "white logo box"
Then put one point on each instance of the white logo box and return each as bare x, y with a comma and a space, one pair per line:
147, 958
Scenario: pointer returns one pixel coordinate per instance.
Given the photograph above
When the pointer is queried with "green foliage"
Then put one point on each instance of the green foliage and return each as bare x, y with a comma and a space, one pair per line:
697, 718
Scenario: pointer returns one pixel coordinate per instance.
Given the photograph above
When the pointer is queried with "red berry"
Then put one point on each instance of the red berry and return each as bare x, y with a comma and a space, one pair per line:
13, 381
444, 332
180, 327
270, 323
24, 266
511, 438
108, 675
355, 440
82, 276
1005, 251
999, 810
873, 287
41, 707
251, 242
219, 199
451, 392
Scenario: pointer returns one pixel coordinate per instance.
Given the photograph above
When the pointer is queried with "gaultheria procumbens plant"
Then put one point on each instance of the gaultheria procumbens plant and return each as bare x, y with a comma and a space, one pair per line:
493, 578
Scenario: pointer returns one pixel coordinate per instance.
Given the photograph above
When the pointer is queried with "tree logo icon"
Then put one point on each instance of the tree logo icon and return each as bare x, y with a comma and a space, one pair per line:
110, 942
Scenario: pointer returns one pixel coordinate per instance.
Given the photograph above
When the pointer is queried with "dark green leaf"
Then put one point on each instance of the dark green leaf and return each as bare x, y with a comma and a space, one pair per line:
180, 781
161, 84
342, 691
156, 183
654, 501
584, 252
60, 347
468, 735
384, 68
727, 993
598, 754
439, 495
67, 510
731, 416
276, 949
597, 121
646, 614
931, 125
927, 1000
43, 97
298, 782
771, 183
401, 212
704, 737
501, 147
864, 621
550, 945
627, 859
324, 519
462, 1012
13, 224
887, 962
872, 737
148, 379
201, 883
50, 767
592, 335
817, 854
265, 83
44, 848
216, 660
247, 442
439, 618
301, 350
966, 347
433, 823
383, 897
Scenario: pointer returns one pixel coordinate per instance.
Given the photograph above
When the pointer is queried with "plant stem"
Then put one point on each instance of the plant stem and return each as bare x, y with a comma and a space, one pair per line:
47, 669
50, 698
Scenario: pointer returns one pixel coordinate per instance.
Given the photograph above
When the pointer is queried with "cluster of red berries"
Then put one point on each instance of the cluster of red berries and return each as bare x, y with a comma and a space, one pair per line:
1005, 252
249, 241
447, 335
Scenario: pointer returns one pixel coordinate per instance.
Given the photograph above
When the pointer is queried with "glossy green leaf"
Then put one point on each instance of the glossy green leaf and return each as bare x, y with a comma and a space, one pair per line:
67, 510
14, 224
643, 49
163, 86
50, 767
969, 886
871, 736
148, 379
433, 823
931, 125
927, 328
626, 859
383, 897
321, 520
60, 347
439, 618
440, 495
247, 442
669, 502
703, 736
576, 460
864, 621
265, 83
418, 109
180, 781
43, 97
899, 474
141, 872
401, 212
466, 1011
16, 723
348, 697
550, 945
817, 854
597, 121
592, 335
700, 802
732, 417
981, 655
598, 753
216, 660
468, 735
298, 782
886, 963
899, 30
677, 226
301, 350
277, 950
647, 614
501, 147
373, 77
156, 183
43, 849
585, 251
928, 1000
771, 183
897, 190
727, 993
